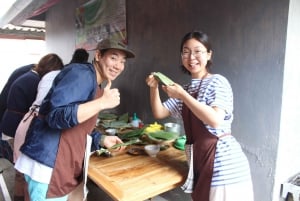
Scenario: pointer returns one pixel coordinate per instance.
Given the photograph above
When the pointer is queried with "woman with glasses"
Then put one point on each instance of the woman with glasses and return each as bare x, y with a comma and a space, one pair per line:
218, 168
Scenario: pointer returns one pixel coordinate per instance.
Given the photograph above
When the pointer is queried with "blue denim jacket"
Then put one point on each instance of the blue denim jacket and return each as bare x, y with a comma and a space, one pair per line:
74, 85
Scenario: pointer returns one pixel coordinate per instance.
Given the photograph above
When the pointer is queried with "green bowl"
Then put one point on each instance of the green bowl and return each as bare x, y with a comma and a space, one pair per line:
180, 142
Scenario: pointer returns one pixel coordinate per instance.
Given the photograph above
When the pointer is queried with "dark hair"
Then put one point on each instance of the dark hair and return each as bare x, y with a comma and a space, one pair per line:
80, 55
202, 38
102, 52
48, 63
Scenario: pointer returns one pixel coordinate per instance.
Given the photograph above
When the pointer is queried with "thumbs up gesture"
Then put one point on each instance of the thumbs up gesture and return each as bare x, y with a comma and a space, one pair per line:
111, 97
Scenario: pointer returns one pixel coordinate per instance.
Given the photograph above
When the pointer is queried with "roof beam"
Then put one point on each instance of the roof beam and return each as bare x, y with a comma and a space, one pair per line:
22, 10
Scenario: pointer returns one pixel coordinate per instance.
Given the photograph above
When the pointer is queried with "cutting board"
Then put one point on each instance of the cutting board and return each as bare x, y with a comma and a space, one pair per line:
134, 178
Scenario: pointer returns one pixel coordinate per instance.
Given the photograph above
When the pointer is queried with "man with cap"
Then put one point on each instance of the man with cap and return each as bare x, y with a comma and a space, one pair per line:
54, 150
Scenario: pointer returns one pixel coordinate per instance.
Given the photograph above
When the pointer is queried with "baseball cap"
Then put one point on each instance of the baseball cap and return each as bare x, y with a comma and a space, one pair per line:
114, 44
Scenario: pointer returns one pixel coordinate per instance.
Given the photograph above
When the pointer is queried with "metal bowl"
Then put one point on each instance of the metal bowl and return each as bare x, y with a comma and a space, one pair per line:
172, 127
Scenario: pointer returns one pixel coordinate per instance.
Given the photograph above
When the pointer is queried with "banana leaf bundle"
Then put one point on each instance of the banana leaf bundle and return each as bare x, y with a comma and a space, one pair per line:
163, 78
136, 133
162, 136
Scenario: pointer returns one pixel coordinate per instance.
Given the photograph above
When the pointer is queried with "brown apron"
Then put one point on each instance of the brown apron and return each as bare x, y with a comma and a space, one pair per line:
204, 149
68, 170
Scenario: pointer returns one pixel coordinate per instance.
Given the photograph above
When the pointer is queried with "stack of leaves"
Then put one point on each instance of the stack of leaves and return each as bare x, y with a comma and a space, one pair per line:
133, 134
162, 136
108, 120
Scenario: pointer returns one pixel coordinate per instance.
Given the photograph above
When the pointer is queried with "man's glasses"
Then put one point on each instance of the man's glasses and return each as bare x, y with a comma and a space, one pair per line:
197, 54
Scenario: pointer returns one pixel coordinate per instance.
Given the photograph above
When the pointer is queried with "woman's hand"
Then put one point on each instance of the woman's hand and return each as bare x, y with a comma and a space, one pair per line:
158, 110
151, 81
174, 91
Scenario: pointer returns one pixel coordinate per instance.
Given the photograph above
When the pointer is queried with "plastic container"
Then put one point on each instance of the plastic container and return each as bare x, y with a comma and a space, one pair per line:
172, 127
180, 142
135, 121
152, 149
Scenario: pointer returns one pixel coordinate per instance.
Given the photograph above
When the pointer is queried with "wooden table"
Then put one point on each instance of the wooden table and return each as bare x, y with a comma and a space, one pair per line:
135, 178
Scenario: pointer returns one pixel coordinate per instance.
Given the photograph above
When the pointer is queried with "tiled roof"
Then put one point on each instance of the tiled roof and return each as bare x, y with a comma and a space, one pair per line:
22, 32
23, 28
22, 19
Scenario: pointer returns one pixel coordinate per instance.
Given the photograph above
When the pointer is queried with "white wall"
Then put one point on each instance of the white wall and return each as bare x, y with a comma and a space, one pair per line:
261, 138
60, 34
15, 53
288, 161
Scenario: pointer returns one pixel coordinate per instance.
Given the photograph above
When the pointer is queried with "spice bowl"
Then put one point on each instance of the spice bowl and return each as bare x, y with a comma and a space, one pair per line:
172, 127
152, 149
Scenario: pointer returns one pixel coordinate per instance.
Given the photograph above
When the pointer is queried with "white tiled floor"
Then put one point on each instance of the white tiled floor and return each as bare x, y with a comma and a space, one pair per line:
95, 193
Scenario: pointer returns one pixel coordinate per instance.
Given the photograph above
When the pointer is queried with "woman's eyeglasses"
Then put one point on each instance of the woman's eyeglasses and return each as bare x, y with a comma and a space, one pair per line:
197, 54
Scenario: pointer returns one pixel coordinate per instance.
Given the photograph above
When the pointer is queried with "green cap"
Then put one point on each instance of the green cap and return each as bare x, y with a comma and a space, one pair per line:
113, 44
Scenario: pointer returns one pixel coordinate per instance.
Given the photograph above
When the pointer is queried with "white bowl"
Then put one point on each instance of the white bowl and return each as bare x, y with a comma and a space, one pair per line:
152, 149
111, 131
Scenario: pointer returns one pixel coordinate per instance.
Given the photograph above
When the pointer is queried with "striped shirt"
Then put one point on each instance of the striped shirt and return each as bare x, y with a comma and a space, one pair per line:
230, 165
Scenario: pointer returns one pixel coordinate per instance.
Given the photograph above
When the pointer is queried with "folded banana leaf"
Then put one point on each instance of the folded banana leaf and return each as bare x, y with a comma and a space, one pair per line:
163, 135
107, 116
115, 124
108, 151
136, 133
130, 142
124, 117
163, 78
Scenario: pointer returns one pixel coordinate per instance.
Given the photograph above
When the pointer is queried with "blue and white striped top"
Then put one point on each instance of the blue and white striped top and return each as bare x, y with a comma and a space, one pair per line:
231, 164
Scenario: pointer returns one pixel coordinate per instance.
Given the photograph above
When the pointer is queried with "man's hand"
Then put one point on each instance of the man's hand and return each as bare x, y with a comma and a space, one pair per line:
110, 141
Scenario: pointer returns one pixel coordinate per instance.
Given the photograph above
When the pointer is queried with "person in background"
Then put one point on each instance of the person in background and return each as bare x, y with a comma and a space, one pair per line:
4, 93
218, 168
5, 149
80, 55
21, 95
59, 136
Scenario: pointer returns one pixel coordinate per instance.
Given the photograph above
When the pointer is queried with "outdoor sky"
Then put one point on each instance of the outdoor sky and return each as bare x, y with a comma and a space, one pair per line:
4, 6
15, 53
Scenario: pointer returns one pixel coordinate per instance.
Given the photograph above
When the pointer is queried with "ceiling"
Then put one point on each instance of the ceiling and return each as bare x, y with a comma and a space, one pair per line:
25, 19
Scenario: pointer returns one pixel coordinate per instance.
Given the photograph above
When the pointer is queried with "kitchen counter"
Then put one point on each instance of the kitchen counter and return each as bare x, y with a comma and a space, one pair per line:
127, 177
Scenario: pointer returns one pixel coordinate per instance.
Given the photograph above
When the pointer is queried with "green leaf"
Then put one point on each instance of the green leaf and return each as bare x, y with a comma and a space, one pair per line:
107, 116
163, 135
124, 117
162, 78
